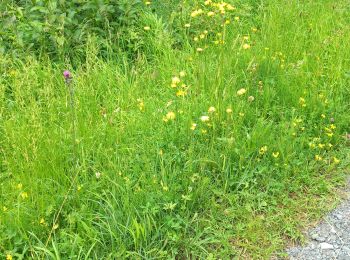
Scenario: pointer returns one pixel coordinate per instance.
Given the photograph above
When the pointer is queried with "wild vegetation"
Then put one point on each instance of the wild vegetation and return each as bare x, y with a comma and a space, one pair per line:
180, 129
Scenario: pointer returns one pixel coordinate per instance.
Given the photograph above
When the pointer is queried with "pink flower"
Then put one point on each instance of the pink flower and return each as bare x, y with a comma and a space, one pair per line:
67, 74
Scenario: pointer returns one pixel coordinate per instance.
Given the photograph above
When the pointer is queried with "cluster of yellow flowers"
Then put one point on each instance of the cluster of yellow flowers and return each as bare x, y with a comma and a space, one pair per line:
170, 116
181, 87
216, 15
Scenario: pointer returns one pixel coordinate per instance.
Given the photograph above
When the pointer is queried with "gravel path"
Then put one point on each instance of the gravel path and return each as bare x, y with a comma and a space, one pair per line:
330, 239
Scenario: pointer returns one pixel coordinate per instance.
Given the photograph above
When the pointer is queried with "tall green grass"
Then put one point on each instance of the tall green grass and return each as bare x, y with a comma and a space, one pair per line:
155, 178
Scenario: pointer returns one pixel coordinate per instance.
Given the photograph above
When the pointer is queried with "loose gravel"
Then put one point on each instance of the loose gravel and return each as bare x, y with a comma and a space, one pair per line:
330, 239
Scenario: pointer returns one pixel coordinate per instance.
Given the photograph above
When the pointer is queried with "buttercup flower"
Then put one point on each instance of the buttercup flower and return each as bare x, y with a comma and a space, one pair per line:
169, 116
211, 109
275, 154
263, 150
246, 46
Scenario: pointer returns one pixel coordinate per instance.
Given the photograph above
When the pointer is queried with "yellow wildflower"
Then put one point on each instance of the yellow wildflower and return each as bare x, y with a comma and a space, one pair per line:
147, 28
141, 105
199, 49
263, 150
182, 74
275, 154
332, 126
246, 46
8, 257
241, 92
251, 98
211, 13
147, 3
318, 158
230, 7
211, 109
175, 80
335, 160
169, 206
169, 116
42, 221
181, 93
187, 25
193, 126
330, 134
321, 146
196, 13
228, 110
24, 195
19, 186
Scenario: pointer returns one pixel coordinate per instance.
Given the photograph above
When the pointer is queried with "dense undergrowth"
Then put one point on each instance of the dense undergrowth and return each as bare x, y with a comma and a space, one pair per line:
221, 135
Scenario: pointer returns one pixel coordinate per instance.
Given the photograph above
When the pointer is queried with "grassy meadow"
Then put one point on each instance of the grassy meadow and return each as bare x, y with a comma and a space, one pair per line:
222, 136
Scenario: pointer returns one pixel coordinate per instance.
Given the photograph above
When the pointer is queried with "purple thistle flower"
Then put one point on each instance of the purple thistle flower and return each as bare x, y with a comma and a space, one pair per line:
67, 74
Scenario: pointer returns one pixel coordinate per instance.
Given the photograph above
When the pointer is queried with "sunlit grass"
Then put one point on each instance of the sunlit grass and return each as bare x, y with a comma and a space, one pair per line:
224, 147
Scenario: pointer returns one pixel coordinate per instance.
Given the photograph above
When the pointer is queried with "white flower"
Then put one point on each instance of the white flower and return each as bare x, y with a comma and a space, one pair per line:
204, 118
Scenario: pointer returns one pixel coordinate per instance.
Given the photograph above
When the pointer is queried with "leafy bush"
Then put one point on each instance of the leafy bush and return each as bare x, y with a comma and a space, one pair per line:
61, 27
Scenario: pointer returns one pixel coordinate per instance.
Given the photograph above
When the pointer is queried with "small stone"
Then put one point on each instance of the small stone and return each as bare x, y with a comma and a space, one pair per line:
325, 246
338, 216
318, 238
